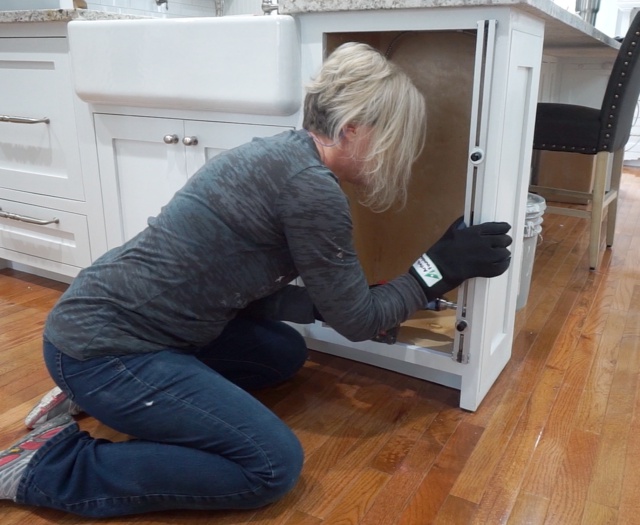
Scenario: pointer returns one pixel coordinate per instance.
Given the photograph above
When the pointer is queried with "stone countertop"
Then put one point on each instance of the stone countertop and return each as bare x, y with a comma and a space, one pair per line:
562, 28
60, 15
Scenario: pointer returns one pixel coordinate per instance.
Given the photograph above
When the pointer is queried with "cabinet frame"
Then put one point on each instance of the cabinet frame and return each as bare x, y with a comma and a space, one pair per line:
507, 87
60, 168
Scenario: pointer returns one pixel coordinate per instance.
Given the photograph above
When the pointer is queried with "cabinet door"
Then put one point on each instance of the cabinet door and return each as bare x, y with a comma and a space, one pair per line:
47, 238
142, 164
215, 137
500, 193
144, 161
39, 150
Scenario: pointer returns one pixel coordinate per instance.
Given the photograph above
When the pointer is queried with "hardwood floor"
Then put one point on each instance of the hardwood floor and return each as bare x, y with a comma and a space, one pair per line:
556, 441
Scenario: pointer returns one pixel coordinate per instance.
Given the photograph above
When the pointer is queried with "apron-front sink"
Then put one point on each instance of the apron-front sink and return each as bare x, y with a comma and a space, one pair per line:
234, 64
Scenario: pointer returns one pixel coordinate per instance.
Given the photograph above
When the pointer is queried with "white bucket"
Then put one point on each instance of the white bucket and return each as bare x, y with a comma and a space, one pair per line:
532, 229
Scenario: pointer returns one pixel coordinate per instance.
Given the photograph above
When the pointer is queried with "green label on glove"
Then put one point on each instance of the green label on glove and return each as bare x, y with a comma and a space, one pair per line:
427, 270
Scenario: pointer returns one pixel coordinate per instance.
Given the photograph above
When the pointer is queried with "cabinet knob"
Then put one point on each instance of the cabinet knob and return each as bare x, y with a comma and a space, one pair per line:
171, 139
461, 325
190, 141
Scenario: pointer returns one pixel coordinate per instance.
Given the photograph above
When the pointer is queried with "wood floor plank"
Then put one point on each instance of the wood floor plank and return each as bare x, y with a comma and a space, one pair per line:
300, 518
479, 469
596, 514
629, 508
528, 509
455, 511
371, 428
354, 503
606, 484
554, 444
420, 417
404, 482
504, 486
435, 487
570, 484
595, 395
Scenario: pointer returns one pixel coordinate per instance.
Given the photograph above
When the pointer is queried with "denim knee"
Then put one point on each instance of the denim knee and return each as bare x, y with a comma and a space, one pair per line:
285, 472
296, 352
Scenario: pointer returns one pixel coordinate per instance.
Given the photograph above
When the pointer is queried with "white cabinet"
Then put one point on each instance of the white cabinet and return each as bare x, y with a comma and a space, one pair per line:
38, 137
52, 238
145, 160
44, 222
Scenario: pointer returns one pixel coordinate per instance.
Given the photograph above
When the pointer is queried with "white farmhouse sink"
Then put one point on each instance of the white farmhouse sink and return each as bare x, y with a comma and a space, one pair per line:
234, 64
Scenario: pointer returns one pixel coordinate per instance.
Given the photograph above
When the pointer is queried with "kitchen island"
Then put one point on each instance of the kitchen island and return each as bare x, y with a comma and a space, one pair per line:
482, 66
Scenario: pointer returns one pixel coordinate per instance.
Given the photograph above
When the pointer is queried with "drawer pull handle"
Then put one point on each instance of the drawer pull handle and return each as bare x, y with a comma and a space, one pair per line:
24, 120
170, 139
30, 220
190, 141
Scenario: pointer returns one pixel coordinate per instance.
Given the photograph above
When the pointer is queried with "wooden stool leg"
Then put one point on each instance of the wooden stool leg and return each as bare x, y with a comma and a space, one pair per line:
597, 207
612, 212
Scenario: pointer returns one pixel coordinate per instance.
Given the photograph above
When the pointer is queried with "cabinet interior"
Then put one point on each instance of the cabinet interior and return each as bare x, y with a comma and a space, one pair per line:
441, 65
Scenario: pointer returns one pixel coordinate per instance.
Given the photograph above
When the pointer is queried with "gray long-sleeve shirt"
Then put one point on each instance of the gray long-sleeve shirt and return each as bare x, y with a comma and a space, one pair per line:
246, 224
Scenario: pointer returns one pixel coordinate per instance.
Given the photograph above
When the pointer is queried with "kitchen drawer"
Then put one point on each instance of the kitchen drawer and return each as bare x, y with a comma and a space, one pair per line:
39, 150
65, 241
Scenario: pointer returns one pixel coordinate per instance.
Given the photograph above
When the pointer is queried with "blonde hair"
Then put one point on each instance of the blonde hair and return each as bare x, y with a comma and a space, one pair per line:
357, 85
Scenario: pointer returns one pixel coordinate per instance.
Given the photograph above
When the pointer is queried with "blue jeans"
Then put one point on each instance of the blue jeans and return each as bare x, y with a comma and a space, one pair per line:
200, 440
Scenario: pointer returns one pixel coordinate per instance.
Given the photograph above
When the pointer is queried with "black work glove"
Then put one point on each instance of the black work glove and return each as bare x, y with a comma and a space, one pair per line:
462, 253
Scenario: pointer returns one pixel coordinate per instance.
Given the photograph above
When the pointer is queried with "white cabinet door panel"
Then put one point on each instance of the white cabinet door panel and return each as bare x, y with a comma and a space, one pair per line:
144, 161
505, 175
38, 156
216, 137
139, 171
65, 241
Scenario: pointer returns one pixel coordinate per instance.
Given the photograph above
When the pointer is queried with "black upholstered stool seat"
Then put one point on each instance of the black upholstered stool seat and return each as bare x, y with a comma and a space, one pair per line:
565, 127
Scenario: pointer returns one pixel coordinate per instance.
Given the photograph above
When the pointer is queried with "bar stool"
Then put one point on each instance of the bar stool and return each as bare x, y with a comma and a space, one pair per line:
600, 132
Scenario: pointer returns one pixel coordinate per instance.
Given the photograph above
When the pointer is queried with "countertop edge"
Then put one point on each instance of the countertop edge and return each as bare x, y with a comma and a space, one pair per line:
61, 15
547, 10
